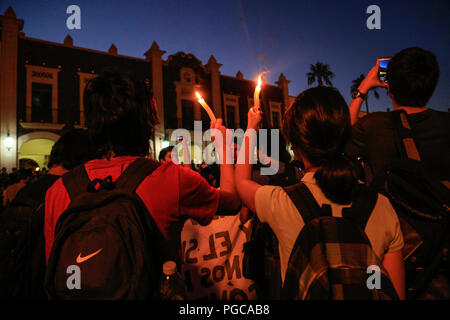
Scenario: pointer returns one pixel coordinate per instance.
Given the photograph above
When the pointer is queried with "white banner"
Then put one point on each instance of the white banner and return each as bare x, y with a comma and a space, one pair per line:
212, 257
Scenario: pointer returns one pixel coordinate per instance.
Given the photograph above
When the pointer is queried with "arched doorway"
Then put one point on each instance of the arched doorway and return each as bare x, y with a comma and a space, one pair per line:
37, 150
37, 146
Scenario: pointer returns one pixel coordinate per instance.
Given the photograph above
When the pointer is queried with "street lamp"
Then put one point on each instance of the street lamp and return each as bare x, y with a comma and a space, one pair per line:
9, 142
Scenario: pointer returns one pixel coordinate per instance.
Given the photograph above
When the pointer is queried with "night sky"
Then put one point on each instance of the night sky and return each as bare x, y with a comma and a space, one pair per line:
251, 36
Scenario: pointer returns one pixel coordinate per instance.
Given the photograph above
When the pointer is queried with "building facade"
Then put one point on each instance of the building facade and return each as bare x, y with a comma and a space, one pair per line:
42, 85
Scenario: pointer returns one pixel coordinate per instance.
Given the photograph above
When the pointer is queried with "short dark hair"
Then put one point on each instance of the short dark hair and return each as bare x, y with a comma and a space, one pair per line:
120, 114
24, 174
412, 75
164, 151
73, 148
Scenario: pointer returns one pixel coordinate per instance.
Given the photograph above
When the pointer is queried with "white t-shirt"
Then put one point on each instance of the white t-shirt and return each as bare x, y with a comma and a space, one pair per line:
213, 257
275, 207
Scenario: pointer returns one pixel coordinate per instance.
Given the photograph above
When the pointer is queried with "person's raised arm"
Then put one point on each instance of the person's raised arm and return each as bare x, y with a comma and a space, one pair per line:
370, 81
247, 188
229, 201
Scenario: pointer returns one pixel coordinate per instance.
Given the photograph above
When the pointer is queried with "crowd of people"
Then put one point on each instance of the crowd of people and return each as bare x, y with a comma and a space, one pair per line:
232, 232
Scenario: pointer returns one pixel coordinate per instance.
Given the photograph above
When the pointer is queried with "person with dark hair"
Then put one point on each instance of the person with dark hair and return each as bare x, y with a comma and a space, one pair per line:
4, 182
72, 149
26, 213
165, 154
411, 78
3, 177
24, 176
406, 156
120, 116
317, 125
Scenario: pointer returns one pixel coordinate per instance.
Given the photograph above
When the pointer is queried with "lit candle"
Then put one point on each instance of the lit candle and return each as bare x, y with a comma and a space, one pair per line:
205, 106
256, 94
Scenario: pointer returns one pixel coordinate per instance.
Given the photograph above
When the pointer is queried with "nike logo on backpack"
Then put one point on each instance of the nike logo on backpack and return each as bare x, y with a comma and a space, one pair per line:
81, 259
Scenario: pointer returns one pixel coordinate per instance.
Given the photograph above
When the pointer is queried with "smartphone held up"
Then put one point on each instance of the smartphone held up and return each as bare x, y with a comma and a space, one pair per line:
382, 67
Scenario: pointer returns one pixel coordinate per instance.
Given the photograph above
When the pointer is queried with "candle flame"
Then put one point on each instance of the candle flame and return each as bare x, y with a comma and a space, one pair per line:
259, 81
205, 106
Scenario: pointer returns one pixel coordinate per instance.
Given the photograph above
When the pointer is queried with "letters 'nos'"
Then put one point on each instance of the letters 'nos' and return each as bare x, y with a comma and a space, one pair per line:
374, 21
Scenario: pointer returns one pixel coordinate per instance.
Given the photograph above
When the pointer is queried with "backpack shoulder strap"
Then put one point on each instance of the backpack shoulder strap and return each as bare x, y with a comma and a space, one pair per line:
305, 202
136, 172
76, 181
403, 135
362, 206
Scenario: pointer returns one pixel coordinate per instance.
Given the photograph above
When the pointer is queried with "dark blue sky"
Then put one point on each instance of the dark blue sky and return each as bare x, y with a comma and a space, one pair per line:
247, 35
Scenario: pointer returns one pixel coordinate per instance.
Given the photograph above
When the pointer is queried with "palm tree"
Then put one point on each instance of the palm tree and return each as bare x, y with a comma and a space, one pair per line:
321, 72
355, 85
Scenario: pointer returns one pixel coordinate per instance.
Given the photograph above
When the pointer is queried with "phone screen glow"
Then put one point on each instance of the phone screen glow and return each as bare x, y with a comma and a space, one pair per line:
384, 63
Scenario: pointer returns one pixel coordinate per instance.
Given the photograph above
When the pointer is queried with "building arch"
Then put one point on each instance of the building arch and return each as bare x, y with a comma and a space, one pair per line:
36, 146
36, 135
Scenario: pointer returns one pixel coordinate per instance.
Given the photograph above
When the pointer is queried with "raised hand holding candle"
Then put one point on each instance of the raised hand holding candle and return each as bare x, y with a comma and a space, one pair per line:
256, 103
205, 106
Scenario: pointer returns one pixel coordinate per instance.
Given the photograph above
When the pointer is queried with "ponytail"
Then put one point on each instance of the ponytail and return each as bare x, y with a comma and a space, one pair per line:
337, 178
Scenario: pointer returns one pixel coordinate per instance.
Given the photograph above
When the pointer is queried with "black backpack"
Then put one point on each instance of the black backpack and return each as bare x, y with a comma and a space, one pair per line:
107, 246
22, 244
261, 261
332, 256
422, 203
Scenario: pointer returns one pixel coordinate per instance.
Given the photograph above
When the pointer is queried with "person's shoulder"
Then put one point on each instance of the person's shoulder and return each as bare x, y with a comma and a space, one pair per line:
384, 207
169, 173
435, 111
373, 119
184, 172
443, 116
274, 193
371, 123
12, 186
266, 199
432, 120
171, 168
36, 190
44, 182
383, 218
56, 189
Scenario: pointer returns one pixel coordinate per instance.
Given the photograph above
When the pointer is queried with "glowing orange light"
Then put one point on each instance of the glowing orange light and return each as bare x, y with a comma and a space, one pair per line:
205, 106
256, 103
